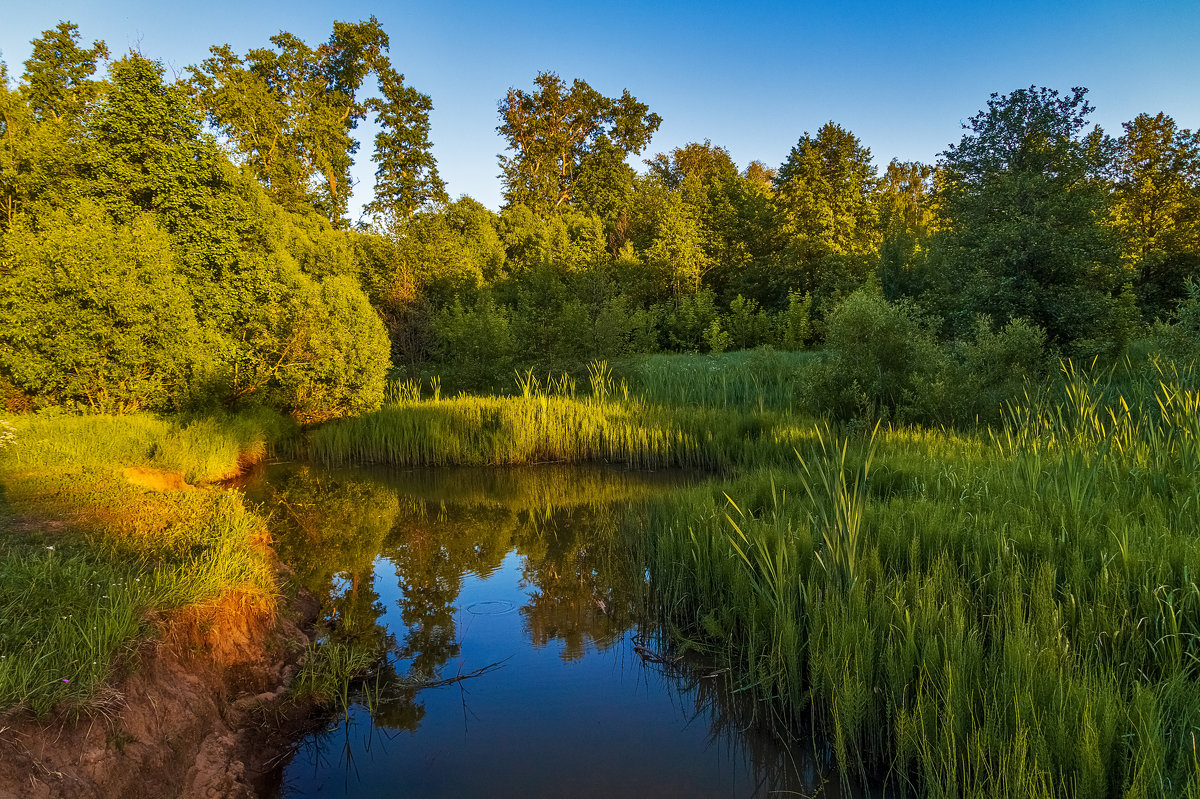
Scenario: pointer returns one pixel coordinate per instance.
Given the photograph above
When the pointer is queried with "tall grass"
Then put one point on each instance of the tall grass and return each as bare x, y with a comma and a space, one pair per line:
749, 379
1012, 613
90, 561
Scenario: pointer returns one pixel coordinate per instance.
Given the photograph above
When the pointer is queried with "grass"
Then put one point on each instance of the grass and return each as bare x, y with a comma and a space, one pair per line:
1006, 613
90, 561
758, 379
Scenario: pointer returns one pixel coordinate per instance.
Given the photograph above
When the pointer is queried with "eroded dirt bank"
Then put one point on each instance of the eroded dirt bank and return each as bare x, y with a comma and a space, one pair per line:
203, 714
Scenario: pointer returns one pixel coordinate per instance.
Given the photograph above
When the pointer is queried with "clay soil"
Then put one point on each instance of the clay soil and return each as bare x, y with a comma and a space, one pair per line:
202, 713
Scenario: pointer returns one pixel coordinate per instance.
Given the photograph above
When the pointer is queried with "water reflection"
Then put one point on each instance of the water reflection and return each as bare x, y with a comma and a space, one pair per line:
517, 592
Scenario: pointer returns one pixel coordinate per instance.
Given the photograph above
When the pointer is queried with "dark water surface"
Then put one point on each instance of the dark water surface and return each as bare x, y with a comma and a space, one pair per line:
518, 664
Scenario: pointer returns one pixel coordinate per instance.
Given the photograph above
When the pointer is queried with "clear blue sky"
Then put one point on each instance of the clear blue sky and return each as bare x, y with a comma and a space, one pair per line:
752, 78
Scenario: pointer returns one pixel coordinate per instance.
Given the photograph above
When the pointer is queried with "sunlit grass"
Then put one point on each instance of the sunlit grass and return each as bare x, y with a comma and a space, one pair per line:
90, 561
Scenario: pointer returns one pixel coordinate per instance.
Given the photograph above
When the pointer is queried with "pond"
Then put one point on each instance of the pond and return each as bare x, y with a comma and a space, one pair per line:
516, 657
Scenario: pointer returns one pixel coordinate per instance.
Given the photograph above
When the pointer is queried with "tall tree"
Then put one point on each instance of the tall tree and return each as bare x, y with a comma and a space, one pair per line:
42, 124
553, 128
1024, 202
289, 112
58, 74
824, 191
406, 176
1157, 208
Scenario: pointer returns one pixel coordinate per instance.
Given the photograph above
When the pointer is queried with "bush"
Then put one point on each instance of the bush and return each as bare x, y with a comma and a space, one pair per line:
93, 314
994, 368
475, 344
880, 364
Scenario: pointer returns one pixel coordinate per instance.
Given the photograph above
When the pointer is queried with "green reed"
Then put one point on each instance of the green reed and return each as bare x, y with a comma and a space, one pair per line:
1008, 613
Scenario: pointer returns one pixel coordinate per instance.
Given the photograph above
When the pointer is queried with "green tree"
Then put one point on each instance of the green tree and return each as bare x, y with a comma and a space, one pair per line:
42, 133
1024, 205
58, 74
553, 128
604, 187
289, 112
1156, 209
824, 193
907, 220
92, 313
406, 176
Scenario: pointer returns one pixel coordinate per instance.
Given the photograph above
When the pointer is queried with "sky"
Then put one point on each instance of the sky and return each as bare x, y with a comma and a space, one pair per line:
751, 77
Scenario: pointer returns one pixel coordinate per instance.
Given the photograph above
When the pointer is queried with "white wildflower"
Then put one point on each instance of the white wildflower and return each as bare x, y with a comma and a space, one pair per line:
8, 436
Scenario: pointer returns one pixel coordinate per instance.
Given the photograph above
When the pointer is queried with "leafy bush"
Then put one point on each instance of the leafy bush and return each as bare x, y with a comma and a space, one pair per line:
475, 344
997, 367
881, 361
94, 314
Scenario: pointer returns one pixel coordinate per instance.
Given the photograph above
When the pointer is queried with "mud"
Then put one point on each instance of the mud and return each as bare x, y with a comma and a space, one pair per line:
204, 714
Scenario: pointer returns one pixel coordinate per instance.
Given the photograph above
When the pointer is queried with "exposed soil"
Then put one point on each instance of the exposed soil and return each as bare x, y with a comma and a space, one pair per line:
204, 714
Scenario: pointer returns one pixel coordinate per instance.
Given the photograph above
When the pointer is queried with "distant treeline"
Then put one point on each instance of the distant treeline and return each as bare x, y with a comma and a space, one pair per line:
177, 244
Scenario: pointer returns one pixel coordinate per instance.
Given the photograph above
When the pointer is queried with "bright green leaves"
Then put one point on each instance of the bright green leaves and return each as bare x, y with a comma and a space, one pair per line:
406, 177
1156, 209
552, 129
58, 75
289, 111
824, 194
92, 313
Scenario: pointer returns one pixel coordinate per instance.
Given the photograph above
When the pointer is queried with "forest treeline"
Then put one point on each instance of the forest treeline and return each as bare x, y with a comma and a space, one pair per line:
171, 244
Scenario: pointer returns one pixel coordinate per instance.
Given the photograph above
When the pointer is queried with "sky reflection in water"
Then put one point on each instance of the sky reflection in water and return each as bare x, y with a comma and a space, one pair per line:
528, 579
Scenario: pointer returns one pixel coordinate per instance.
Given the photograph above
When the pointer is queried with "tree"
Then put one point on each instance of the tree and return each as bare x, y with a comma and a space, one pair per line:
604, 187
58, 75
406, 176
1024, 202
1156, 208
907, 219
289, 112
552, 129
42, 123
93, 314
824, 194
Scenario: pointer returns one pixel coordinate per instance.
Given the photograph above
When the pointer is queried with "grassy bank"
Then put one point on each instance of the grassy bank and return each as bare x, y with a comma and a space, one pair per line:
91, 559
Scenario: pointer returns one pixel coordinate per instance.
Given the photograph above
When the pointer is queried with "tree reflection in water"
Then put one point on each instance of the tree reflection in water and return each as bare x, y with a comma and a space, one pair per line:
437, 526
572, 535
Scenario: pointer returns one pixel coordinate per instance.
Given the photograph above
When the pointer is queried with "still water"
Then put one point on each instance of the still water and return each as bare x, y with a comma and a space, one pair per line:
515, 658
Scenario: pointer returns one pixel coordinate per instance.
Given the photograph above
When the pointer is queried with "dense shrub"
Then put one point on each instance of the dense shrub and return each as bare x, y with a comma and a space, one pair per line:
92, 313
880, 362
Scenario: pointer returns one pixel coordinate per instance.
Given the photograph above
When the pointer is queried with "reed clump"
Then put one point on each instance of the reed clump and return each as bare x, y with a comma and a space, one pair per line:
550, 421
1011, 612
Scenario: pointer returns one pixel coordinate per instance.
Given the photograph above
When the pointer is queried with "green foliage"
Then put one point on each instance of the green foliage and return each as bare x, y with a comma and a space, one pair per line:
1156, 208
406, 177
1006, 614
475, 342
795, 324
338, 355
552, 130
748, 325
94, 316
289, 111
880, 361
1025, 205
823, 191
686, 319
58, 75
996, 368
